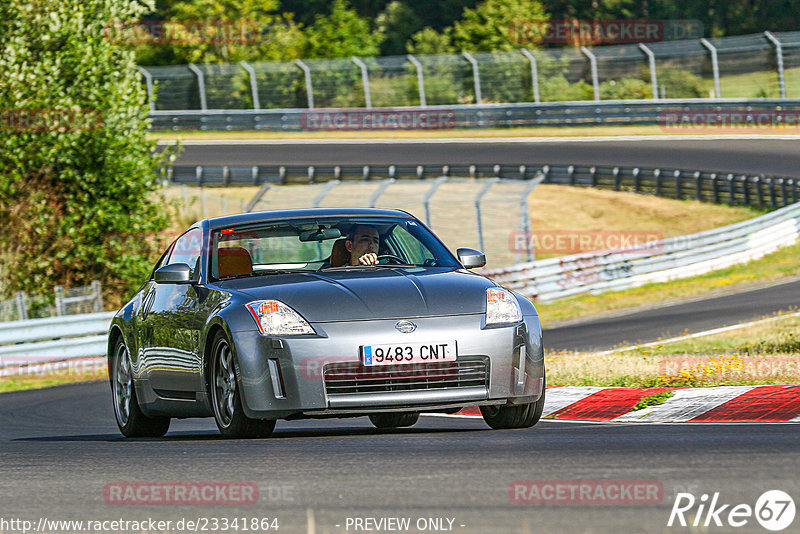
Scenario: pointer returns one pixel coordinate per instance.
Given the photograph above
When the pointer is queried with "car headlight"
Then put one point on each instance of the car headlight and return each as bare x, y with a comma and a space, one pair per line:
501, 307
274, 318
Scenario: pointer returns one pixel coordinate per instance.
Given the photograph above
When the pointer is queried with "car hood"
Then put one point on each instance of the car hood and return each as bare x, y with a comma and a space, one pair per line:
371, 293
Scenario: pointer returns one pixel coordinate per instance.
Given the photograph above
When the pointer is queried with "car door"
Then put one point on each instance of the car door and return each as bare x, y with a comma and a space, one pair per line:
173, 320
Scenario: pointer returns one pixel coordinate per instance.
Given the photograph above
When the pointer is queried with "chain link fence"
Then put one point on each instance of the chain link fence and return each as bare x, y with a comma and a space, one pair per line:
763, 65
65, 301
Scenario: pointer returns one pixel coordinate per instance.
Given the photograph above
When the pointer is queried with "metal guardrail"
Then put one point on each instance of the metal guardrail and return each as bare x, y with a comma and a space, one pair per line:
656, 261
53, 339
578, 113
707, 186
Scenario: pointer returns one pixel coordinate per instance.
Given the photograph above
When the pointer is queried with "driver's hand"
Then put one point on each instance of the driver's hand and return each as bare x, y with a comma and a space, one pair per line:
370, 258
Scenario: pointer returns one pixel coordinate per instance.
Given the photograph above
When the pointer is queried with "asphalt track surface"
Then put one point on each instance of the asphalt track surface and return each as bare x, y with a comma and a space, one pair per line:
60, 447
752, 156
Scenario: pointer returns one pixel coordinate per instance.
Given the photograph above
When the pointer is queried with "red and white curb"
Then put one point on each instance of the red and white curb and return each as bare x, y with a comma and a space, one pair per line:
773, 404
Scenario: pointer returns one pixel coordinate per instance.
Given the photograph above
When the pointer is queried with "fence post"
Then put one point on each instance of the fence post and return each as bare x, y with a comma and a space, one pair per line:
312, 174
427, 198
257, 198
678, 185
253, 84
731, 190
364, 80
651, 59
22, 306
636, 183
534, 73
377, 194
759, 189
327, 189
309, 87
201, 84
546, 172
525, 217
477, 200
59, 293
148, 80
772, 200
746, 190
593, 173
714, 65
715, 187
98, 296
593, 66
615, 174
420, 78
794, 190
779, 59
476, 77
784, 192
657, 176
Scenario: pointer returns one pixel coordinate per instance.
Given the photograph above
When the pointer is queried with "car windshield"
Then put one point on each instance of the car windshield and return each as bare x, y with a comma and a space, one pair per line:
311, 244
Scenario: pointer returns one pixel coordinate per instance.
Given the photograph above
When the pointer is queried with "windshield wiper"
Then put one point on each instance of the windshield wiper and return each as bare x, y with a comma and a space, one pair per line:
261, 273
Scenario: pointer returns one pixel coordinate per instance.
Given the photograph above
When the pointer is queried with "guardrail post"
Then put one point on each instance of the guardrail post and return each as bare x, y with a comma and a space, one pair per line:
309, 86
657, 176
731, 190
779, 59
427, 198
784, 193
22, 305
746, 190
312, 174
759, 180
794, 190
651, 59
772, 200
198, 174
593, 67
253, 83
477, 200
571, 174
534, 73
420, 78
364, 80
365, 173
476, 77
148, 81
226, 175
714, 65
523, 171
615, 174
715, 187
201, 85
636, 182
698, 185
678, 185
593, 173
546, 172
392, 171
472, 170
254, 174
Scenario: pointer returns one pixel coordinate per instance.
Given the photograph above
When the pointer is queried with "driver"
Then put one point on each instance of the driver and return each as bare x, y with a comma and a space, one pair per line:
363, 243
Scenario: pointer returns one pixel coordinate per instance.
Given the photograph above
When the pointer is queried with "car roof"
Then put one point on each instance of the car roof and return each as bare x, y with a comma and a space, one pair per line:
258, 216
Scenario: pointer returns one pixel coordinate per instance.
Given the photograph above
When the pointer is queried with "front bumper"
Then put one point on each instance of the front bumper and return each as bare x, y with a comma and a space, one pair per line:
283, 377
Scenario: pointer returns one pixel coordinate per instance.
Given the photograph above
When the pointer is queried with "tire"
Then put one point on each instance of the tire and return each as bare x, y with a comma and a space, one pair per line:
514, 416
394, 420
226, 396
132, 422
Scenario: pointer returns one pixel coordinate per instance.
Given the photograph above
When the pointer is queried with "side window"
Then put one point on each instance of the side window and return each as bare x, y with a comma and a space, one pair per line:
188, 249
162, 260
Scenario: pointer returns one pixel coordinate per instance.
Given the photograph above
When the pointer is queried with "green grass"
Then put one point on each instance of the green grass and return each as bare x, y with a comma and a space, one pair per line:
26, 382
653, 400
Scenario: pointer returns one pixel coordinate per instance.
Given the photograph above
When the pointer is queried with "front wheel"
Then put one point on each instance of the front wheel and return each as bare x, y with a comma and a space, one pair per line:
394, 420
511, 416
227, 399
130, 419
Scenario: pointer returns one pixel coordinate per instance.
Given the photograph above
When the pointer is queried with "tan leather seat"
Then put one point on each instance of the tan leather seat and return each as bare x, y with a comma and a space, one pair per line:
339, 254
234, 261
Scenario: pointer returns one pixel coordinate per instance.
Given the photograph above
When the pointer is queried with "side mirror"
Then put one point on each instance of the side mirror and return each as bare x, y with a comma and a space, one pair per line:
177, 273
471, 258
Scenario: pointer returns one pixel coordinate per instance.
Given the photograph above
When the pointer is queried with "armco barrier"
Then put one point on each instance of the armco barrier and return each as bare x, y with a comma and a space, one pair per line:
657, 261
578, 113
53, 339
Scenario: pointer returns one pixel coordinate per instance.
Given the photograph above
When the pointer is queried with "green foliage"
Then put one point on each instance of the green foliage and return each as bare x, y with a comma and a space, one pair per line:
76, 182
343, 33
488, 26
625, 88
653, 400
429, 41
397, 23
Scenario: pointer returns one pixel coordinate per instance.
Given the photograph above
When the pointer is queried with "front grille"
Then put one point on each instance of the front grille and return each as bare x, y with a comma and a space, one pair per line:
352, 377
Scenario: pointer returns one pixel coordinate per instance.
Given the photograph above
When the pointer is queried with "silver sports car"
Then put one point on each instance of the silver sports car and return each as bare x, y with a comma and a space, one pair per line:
321, 313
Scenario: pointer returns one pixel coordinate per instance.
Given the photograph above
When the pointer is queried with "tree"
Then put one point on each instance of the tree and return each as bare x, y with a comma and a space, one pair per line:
77, 173
429, 41
397, 23
343, 33
489, 26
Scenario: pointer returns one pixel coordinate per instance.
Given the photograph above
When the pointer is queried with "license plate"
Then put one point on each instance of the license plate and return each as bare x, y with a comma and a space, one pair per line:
406, 353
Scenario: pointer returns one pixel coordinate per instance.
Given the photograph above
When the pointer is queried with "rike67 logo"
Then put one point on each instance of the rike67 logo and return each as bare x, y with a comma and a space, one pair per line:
774, 510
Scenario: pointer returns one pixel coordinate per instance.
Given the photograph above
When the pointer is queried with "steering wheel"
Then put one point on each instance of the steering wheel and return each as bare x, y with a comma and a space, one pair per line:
391, 257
